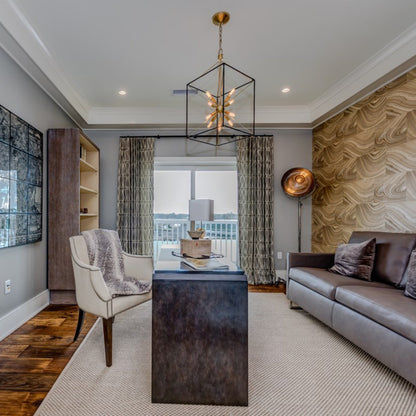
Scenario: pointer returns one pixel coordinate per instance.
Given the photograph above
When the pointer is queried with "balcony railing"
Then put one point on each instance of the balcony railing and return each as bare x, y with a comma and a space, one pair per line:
223, 233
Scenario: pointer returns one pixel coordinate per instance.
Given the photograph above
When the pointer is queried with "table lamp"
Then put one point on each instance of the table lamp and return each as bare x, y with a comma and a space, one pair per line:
200, 210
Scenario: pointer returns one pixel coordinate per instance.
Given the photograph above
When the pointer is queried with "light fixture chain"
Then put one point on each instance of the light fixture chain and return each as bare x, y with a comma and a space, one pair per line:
220, 52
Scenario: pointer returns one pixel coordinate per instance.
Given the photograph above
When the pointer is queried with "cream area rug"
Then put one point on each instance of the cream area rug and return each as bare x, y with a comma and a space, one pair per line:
297, 366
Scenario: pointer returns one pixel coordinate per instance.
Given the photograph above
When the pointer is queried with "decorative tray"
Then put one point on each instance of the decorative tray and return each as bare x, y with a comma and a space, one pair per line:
211, 256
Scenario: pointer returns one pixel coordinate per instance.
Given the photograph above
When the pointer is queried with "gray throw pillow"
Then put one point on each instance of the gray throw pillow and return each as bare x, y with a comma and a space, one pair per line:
410, 289
355, 260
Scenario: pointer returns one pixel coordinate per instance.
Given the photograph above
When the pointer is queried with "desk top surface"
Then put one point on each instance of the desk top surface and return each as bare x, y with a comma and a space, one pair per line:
167, 262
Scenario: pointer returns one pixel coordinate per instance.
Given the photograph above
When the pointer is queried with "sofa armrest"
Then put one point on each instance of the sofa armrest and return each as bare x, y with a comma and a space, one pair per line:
318, 260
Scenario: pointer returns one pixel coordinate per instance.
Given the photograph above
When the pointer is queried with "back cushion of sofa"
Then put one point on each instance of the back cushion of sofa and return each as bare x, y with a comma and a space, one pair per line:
392, 254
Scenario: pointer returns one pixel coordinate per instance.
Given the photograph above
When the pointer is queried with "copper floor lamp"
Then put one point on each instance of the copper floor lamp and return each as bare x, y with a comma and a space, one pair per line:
298, 183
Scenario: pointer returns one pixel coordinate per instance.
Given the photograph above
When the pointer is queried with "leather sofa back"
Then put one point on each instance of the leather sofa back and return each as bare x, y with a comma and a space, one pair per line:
392, 254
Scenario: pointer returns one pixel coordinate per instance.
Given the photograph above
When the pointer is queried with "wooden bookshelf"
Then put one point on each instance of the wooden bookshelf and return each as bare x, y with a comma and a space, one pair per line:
73, 187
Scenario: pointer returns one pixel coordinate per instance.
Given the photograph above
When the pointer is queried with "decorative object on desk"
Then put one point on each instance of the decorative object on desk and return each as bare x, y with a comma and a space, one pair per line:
298, 183
20, 181
196, 234
195, 248
220, 104
201, 210
204, 264
211, 256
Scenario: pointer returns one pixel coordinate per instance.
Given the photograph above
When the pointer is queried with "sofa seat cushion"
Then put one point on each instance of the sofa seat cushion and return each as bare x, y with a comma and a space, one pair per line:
386, 306
324, 282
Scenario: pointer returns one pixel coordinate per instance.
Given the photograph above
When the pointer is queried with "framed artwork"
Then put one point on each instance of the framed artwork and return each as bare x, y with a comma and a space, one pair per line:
21, 173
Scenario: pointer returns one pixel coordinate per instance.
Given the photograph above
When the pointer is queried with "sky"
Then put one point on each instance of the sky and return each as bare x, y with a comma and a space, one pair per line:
173, 190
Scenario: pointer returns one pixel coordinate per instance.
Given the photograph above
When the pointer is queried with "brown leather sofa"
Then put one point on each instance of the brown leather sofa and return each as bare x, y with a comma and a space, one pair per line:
375, 315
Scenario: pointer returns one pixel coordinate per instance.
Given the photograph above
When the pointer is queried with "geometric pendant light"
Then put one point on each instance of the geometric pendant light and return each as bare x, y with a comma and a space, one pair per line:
220, 103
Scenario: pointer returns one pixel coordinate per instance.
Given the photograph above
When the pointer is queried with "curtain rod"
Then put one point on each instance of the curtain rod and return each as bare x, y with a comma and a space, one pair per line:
171, 136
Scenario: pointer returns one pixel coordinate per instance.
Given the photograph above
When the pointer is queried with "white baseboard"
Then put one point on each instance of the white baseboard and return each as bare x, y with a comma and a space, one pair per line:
17, 317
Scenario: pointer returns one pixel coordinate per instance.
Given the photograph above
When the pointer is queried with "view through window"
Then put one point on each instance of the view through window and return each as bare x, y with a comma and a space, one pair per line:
174, 186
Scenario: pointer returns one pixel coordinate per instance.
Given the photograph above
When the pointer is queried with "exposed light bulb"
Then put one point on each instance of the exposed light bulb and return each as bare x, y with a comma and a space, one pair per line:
285, 90
122, 92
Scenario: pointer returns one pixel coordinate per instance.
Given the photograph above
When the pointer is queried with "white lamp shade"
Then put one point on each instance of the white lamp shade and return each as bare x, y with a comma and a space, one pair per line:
201, 210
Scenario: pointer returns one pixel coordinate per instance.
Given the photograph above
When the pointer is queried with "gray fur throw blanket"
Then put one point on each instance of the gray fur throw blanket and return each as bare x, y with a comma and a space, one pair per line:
104, 251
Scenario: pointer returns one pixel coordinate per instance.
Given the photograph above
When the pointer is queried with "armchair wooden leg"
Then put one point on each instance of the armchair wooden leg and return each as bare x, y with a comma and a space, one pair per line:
81, 315
108, 340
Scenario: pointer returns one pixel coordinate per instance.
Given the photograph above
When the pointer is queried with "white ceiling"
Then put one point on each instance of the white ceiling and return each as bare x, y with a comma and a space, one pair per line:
83, 51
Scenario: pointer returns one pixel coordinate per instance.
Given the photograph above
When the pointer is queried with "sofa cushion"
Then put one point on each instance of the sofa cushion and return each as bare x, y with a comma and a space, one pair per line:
386, 306
324, 282
410, 289
355, 259
392, 254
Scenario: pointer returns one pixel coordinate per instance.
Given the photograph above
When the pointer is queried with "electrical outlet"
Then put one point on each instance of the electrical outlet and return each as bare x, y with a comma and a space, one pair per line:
7, 287
279, 255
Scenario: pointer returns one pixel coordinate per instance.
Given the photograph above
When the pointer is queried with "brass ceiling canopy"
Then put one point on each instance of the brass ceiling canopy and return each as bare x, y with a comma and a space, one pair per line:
298, 182
220, 18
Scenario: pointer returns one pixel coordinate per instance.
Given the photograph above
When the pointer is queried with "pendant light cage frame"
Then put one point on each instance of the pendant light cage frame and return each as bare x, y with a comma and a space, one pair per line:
220, 103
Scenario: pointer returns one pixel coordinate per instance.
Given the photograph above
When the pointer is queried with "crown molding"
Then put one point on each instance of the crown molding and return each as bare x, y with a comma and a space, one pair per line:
153, 116
397, 54
136, 116
20, 40
279, 115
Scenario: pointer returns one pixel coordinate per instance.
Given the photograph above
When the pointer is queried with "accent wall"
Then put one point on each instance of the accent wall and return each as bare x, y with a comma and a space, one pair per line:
364, 160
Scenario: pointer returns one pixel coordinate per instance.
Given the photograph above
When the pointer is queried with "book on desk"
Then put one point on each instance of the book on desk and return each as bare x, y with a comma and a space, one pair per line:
204, 264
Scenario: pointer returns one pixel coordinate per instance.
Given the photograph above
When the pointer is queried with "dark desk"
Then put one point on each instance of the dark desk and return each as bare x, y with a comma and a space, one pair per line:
199, 338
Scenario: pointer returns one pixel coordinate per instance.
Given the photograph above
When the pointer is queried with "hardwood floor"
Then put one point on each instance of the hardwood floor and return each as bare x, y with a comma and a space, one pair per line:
33, 356
278, 288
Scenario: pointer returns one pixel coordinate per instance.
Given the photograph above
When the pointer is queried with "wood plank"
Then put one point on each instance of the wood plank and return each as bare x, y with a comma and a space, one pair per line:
24, 365
27, 382
11, 350
20, 403
49, 352
47, 321
276, 288
39, 340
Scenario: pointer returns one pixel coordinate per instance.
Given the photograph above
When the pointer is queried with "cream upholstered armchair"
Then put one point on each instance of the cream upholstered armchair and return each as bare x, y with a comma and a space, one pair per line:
93, 295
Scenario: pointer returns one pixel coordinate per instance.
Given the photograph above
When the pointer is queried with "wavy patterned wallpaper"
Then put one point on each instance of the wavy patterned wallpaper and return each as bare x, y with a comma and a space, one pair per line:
364, 160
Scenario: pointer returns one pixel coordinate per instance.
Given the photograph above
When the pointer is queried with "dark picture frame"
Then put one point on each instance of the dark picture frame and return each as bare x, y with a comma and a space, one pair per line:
21, 180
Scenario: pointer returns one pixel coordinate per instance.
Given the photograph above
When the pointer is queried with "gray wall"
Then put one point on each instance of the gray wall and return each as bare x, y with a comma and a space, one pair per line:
292, 148
26, 265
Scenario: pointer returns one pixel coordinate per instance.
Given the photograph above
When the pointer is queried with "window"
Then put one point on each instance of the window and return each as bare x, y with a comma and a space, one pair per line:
176, 181
172, 191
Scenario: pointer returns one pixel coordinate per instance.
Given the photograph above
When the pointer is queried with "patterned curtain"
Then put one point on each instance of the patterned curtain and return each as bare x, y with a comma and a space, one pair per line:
135, 194
255, 208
